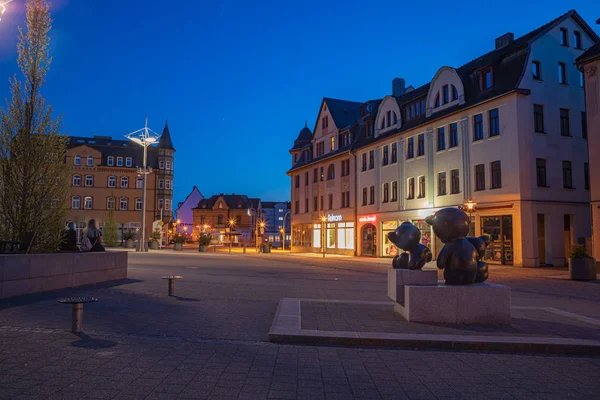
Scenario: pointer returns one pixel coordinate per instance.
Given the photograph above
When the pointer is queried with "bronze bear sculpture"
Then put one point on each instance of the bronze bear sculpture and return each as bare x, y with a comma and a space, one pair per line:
407, 237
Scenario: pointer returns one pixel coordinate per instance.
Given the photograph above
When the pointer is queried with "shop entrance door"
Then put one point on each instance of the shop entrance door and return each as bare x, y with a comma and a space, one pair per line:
369, 235
499, 230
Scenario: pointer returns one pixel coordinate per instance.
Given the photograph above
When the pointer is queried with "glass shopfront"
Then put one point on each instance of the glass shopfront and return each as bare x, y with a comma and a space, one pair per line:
302, 235
389, 249
499, 229
369, 237
338, 235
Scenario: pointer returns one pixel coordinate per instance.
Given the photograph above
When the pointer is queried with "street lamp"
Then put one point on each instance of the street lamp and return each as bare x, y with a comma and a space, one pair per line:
282, 231
231, 225
470, 207
324, 221
3, 4
144, 137
286, 214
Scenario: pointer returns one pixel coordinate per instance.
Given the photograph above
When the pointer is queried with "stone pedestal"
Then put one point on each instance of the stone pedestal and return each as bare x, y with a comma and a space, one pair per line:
399, 278
481, 303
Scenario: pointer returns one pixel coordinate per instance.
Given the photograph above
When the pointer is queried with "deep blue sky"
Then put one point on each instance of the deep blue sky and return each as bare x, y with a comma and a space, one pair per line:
237, 79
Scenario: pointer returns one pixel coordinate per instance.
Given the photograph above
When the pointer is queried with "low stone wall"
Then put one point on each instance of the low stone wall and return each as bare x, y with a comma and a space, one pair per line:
33, 273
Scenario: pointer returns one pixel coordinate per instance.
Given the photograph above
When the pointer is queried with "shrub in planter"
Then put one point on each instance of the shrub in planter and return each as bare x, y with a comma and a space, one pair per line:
129, 237
204, 242
178, 240
155, 239
581, 265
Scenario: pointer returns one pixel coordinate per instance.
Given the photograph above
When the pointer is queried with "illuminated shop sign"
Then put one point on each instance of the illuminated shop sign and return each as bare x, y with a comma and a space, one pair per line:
334, 217
368, 218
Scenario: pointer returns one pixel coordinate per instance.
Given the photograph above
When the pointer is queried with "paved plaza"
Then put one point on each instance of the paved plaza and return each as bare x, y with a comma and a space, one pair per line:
210, 340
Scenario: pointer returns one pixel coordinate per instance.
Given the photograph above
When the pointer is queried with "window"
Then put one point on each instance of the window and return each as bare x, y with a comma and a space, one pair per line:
577, 39
494, 122
161, 183
220, 217
480, 177
87, 203
364, 161
332, 143
322, 175
581, 78
445, 94
395, 191
123, 203
421, 186
330, 172
321, 204
346, 167
306, 205
437, 101
76, 180
536, 69
564, 122
296, 181
90, 161
372, 195
315, 203
564, 37
296, 210
586, 176
346, 199
455, 182
386, 156
112, 181
453, 135
345, 235
485, 78
371, 159
306, 178
496, 171
538, 118
77, 161
110, 203
331, 201
441, 139
583, 125
320, 149
325, 122
76, 203
540, 172
386, 192
168, 165
364, 196
410, 190
119, 161
562, 73
410, 152
442, 184
128, 162
567, 175
478, 127
168, 206
110, 161
161, 164
124, 182
89, 180
161, 203
394, 153
421, 144
454, 93
168, 184
315, 175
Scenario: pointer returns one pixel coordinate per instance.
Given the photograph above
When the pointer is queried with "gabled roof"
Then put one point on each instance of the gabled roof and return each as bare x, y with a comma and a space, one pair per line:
239, 201
343, 112
590, 54
116, 148
165, 141
194, 190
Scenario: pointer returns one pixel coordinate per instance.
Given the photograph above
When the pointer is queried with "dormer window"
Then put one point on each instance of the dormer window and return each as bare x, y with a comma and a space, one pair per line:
486, 80
220, 206
454, 93
437, 100
446, 94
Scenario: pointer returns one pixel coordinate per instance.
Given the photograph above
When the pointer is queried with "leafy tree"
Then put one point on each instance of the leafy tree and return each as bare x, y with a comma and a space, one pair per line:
111, 230
33, 172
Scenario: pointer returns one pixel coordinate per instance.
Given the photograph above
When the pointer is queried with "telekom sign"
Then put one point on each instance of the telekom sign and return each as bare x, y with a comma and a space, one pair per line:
368, 218
334, 217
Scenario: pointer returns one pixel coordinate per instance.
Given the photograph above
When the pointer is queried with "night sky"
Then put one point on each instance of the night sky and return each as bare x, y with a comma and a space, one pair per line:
237, 79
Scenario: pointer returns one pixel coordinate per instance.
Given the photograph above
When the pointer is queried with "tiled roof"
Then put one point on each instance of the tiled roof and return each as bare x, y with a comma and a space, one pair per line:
239, 201
590, 54
304, 138
165, 141
116, 148
343, 112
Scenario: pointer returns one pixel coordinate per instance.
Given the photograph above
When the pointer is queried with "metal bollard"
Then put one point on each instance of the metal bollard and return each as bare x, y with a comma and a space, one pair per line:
171, 287
244, 249
77, 319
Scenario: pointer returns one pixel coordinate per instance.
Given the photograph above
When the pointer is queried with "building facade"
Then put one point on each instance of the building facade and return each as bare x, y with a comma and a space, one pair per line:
228, 218
185, 214
104, 179
276, 216
503, 132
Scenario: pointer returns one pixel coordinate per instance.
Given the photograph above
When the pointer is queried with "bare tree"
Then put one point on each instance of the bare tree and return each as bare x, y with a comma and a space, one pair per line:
33, 172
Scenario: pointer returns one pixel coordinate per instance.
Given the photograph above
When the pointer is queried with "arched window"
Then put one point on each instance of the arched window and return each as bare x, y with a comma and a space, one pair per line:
110, 203
89, 180
331, 172
123, 203
124, 182
389, 118
76, 203
90, 161
112, 181
437, 100
76, 180
394, 118
382, 123
77, 160
87, 203
138, 204
220, 205
454, 93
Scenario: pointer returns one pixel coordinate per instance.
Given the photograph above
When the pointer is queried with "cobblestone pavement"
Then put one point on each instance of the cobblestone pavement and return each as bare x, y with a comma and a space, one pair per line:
209, 341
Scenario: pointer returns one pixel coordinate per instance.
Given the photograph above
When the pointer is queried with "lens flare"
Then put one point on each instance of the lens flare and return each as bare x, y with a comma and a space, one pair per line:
3, 4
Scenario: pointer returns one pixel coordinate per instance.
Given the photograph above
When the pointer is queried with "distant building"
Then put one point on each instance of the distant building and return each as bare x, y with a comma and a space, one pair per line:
184, 211
214, 214
276, 216
104, 177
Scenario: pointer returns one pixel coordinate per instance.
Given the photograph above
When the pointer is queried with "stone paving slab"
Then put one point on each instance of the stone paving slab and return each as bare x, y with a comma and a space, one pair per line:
534, 329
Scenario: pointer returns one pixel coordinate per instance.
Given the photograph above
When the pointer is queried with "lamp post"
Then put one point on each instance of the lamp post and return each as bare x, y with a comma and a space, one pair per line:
231, 225
324, 222
144, 137
282, 231
470, 206
286, 214
261, 231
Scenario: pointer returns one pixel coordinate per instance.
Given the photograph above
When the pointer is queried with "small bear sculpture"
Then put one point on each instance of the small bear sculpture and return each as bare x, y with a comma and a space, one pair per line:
461, 257
407, 237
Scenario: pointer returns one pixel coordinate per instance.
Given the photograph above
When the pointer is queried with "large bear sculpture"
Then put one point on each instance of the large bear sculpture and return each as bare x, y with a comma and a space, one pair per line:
407, 237
461, 257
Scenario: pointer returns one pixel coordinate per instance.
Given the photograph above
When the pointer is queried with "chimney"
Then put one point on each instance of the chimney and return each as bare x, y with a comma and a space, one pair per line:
398, 87
505, 40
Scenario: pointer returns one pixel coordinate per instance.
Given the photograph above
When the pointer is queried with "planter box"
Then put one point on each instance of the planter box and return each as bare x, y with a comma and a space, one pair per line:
178, 246
129, 244
22, 274
202, 249
582, 269
154, 245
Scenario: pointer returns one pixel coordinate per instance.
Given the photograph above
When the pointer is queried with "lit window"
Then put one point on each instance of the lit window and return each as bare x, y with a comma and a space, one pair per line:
124, 182
76, 180
110, 161
128, 162
123, 203
332, 143
89, 180
90, 161
119, 161
75, 203
77, 160
138, 204
87, 203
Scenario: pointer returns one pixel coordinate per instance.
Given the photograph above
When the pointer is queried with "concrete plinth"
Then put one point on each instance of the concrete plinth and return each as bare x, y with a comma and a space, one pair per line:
481, 303
399, 278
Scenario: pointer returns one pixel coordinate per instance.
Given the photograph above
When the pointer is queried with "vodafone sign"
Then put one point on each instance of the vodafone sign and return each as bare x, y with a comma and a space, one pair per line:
367, 218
